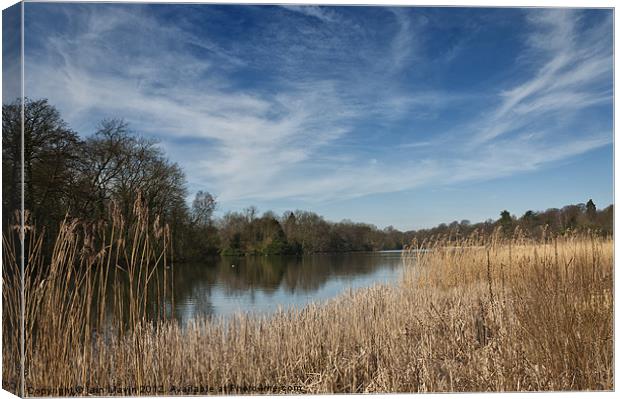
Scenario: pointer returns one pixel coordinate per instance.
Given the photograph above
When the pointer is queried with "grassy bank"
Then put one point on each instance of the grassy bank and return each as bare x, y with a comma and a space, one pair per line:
474, 315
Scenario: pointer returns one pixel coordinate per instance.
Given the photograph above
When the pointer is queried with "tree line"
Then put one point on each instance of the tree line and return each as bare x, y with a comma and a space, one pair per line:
296, 232
532, 224
67, 174
242, 233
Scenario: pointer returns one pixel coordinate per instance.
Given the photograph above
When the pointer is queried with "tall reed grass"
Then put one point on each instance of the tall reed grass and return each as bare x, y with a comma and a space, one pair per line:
100, 279
475, 314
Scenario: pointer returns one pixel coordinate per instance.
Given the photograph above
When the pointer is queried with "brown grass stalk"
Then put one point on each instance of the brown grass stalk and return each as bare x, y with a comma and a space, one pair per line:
478, 314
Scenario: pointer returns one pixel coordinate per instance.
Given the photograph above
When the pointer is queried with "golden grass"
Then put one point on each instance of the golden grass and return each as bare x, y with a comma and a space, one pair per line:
473, 315
69, 302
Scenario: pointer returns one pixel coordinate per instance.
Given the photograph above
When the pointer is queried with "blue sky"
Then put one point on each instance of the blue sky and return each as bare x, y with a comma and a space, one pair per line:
395, 116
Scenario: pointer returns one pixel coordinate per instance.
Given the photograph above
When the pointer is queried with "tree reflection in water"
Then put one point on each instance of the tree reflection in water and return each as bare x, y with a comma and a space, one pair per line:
262, 283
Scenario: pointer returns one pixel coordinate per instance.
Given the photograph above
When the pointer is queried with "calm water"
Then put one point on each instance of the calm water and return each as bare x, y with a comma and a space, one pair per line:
263, 284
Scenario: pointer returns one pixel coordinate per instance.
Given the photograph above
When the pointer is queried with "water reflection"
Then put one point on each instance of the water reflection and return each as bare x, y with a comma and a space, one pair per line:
222, 286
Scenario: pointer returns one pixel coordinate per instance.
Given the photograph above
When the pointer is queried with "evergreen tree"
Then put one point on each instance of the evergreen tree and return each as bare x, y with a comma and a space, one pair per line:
591, 210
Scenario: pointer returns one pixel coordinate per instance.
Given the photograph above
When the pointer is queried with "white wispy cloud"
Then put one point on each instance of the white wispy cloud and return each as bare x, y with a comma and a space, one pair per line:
569, 79
404, 44
320, 13
246, 144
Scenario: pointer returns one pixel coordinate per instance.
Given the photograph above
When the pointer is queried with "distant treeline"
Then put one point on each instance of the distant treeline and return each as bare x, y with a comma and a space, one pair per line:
299, 232
533, 224
306, 232
79, 176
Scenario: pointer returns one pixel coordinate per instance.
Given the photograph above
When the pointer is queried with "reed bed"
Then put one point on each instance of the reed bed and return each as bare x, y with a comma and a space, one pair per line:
100, 280
475, 314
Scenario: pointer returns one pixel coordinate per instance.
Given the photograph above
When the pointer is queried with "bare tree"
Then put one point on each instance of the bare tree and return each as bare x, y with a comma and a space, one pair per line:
51, 151
203, 207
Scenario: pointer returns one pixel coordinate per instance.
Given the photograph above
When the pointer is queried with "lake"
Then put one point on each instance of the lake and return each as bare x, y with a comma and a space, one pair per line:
259, 284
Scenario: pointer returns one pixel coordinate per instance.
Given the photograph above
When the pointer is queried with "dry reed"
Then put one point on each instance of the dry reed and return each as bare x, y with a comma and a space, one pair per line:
477, 314
99, 280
